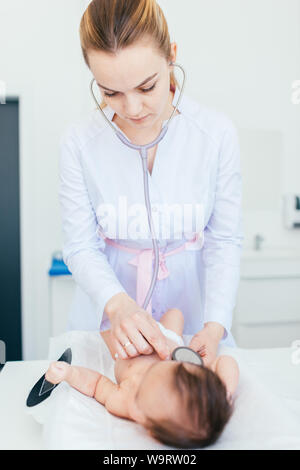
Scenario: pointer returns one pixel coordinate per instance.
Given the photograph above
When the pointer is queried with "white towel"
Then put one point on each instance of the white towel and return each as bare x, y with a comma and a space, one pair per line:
171, 334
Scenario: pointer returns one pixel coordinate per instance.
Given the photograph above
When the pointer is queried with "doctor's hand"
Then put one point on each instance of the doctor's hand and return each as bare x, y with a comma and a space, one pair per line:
206, 341
133, 330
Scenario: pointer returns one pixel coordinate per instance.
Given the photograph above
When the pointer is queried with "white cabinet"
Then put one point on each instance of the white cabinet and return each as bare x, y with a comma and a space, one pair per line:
267, 312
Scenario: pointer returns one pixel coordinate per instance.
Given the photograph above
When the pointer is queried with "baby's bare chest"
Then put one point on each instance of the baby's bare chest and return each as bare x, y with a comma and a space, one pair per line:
125, 368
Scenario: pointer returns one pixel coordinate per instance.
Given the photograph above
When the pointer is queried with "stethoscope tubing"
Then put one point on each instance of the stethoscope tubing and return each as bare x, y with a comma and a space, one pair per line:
143, 152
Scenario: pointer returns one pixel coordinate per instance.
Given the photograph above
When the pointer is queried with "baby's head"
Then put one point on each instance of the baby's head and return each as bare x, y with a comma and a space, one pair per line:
182, 404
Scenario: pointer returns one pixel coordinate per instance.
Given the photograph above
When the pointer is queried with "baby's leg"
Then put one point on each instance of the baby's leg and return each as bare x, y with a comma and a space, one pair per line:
173, 319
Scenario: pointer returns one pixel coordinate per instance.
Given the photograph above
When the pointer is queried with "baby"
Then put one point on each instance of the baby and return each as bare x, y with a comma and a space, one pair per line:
179, 403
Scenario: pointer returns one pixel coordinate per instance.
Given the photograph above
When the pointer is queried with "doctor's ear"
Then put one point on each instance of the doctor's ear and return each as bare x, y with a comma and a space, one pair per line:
173, 53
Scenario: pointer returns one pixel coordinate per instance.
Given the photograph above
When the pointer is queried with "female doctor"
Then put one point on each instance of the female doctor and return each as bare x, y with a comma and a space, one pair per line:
126, 45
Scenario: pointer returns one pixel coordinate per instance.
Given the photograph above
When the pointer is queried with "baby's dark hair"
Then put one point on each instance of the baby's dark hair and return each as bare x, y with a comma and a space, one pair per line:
204, 406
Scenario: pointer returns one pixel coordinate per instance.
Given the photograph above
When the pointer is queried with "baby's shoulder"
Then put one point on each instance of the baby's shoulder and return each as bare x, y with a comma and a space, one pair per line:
213, 365
223, 360
130, 385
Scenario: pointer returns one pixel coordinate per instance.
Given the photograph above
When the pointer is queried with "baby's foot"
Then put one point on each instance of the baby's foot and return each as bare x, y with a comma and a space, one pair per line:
57, 372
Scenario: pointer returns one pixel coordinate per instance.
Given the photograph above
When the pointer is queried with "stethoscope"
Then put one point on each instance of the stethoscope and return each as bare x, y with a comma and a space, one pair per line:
181, 353
143, 152
43, 389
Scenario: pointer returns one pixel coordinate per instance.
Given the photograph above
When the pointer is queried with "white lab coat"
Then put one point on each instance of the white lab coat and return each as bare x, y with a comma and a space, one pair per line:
197, 162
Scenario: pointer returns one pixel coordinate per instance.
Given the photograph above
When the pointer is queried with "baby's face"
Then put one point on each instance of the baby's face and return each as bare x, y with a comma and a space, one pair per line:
156, 397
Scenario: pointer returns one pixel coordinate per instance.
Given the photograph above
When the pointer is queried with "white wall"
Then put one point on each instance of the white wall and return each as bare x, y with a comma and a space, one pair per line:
40, 60
240, 57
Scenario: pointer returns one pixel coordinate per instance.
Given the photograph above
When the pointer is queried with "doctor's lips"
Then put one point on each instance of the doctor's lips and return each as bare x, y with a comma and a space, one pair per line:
139, 120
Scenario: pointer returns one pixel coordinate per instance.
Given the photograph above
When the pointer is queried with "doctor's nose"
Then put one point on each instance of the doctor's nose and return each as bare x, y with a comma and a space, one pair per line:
133, 108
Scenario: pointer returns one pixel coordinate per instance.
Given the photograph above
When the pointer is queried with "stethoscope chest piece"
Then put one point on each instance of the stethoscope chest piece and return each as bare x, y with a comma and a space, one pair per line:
186, 354
43, 389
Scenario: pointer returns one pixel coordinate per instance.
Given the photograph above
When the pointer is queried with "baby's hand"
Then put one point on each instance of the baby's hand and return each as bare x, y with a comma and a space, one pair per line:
57, 372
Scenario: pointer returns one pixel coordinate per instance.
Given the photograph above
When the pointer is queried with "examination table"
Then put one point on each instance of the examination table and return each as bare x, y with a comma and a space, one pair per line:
266, 416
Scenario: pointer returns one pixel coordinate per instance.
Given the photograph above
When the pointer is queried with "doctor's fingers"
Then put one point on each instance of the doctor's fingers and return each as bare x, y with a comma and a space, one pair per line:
151, 331
122, 344
132, 333
118, 350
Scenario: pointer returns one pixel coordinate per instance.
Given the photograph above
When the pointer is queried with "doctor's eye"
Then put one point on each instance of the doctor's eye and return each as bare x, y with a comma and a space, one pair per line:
145, 90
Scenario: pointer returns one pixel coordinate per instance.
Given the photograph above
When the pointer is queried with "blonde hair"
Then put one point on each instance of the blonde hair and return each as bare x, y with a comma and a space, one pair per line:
111, 25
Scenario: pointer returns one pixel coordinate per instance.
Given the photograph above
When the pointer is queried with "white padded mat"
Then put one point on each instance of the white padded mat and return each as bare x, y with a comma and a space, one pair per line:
266, 416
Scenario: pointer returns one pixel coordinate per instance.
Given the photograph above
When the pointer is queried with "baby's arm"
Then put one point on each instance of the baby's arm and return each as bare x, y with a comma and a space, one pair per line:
93, 384
228, 371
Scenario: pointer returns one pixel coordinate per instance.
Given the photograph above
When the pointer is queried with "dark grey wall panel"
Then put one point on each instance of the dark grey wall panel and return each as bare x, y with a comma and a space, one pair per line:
10, 274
